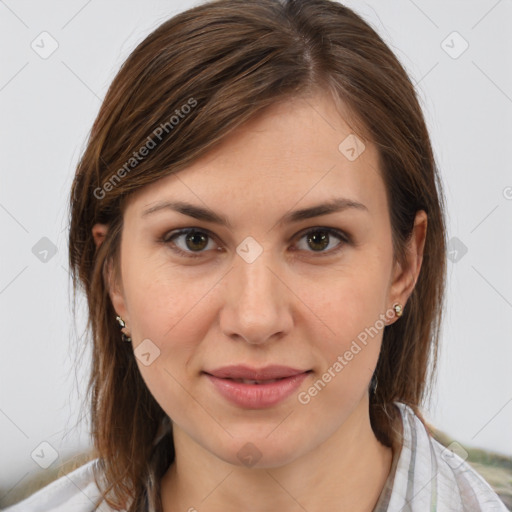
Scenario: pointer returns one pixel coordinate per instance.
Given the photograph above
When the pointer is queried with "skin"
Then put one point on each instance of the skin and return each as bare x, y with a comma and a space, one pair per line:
295, 305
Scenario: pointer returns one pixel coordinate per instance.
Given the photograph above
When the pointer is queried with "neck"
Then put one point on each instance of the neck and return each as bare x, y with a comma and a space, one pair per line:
346, 472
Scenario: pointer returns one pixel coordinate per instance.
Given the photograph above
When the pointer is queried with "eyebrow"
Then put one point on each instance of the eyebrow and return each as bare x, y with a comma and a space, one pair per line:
205, 214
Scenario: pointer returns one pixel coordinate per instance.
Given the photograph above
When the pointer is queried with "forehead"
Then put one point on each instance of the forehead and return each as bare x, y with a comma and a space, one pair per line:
297, 152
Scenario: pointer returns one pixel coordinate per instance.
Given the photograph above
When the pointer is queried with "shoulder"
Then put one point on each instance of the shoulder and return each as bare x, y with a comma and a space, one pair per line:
430, 475
76, 491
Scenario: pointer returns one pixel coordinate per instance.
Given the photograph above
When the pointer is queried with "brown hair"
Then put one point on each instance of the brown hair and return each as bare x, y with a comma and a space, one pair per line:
191, 82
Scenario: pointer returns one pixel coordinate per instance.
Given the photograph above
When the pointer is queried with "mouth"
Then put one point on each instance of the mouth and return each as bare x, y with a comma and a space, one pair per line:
257, 382
248, 373
256, 389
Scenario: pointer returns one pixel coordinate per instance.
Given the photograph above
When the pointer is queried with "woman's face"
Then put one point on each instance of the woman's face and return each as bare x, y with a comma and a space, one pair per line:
264, 286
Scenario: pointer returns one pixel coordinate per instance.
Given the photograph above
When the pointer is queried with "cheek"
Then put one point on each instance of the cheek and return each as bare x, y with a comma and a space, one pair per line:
164, 311
170, 308
352, 297
349, 337
161, 298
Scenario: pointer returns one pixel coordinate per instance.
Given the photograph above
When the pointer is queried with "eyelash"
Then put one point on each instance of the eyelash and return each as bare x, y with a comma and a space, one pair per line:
168, 238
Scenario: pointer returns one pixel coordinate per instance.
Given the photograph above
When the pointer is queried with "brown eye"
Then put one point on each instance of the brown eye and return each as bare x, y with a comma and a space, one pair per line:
188, 241
196, 241
318, 240
323, 240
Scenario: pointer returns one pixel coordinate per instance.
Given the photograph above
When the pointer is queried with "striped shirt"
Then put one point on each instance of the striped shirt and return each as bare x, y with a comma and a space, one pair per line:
425, 477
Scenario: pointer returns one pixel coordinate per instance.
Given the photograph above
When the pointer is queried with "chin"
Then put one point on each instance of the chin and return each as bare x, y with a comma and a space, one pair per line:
258, 452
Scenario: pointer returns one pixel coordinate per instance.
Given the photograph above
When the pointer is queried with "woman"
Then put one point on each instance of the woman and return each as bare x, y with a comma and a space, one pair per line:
257, 223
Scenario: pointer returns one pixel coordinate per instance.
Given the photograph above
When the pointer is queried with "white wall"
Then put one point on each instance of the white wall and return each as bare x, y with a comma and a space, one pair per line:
48, 106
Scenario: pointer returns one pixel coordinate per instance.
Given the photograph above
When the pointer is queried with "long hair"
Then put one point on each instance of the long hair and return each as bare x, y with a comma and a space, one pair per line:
194, 80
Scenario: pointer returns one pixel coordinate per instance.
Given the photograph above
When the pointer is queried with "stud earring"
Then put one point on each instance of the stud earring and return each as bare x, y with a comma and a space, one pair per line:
398, 310
122, 325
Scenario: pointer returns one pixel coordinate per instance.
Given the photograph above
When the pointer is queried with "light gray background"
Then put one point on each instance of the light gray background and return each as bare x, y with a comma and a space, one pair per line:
48, 106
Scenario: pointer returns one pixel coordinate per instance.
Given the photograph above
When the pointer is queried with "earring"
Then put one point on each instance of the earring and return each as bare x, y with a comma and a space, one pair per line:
398, 310
122, 325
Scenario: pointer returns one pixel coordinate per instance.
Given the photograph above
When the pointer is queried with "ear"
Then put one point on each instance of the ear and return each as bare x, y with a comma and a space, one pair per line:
99, 232
404, 278
115, 289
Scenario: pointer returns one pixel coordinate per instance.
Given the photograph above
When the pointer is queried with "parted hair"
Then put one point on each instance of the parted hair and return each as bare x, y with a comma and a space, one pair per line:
191, 82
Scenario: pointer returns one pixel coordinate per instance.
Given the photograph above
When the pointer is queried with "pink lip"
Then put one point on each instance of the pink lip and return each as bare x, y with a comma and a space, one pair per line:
256, 396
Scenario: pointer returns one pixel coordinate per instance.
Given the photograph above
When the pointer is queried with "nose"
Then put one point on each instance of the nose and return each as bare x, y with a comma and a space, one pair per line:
258, 304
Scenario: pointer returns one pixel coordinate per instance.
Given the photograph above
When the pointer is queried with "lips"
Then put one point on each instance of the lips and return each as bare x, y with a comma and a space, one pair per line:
252, 388
242, 372
250, 381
